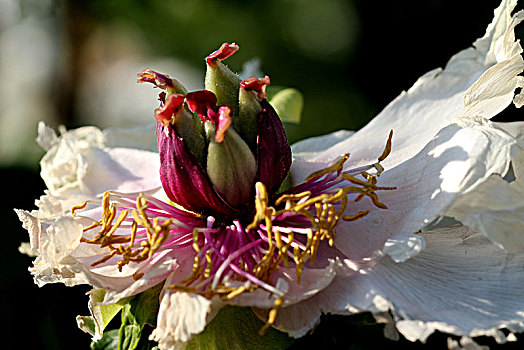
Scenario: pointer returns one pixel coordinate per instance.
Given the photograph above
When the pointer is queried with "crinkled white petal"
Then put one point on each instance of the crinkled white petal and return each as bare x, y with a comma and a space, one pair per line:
60, 164
32, 225
61, 239
518, 100
496, 207
181, 316
80, 161
465, 343
460, 284
460, 158
478, 81
44, 272
52, 246
46, 136
61, 257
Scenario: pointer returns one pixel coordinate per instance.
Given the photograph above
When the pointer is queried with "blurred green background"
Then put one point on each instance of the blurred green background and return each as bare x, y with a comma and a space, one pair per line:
75, 63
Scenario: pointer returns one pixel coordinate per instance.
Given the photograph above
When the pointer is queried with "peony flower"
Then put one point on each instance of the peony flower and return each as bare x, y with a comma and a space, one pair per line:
212, 220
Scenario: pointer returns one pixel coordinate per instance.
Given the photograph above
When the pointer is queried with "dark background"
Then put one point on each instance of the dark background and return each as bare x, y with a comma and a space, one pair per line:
381, 48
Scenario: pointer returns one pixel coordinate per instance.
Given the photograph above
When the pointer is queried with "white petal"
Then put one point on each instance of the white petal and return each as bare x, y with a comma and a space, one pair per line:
461, 284
80, 162
296, 320
62, 238
403, 247
44, 272
515, 129
308, 148
46, 136
494, 90
59, 165
465, 343
118, 169
437, 98
32, 225
460, 158
155, 271
312, 281
182, 315
496, 208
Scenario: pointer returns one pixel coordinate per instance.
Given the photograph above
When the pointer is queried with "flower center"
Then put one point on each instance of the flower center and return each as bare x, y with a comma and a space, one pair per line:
231, 259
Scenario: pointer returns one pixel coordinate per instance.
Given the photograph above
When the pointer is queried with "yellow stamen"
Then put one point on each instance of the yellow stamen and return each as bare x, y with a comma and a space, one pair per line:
338, 166
236, 292
387, 149
78, 207
272, 315
121, 245
209, 264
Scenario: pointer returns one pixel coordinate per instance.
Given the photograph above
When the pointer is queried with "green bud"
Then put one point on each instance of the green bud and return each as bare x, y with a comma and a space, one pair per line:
231, 166
246, 121
186, 127
223, 83
252, 91
221, 80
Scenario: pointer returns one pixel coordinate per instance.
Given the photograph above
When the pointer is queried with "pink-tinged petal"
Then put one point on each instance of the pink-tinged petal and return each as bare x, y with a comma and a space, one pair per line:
312, 281
154, 271
201, 102
274, 153
257, 85
222, 53
164, 115
183, 178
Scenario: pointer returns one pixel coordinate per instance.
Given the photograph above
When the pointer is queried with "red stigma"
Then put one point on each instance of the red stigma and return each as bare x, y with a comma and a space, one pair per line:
222, 53
256, 84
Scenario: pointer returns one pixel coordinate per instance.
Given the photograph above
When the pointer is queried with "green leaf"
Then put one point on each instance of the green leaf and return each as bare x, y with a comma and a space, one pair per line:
288, 104
141, 310
237, 328
109, 341
87, 324
103, 314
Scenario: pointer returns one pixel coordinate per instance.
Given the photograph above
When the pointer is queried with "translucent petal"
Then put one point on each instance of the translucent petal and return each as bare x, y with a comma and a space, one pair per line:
460, 284
460, 158
478, 81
